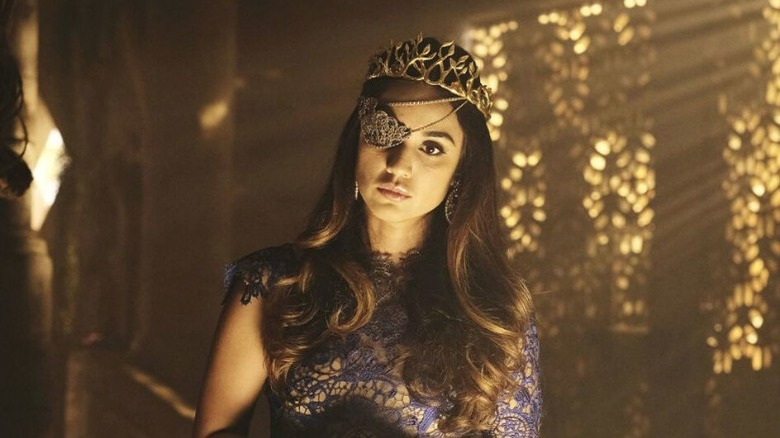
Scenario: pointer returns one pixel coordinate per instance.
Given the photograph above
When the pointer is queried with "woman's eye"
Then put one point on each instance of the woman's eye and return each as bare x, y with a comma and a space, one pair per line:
432, 148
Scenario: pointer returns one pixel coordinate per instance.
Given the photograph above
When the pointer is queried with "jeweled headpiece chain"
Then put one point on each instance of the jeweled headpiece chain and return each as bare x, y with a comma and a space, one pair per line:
446, 65
383, 131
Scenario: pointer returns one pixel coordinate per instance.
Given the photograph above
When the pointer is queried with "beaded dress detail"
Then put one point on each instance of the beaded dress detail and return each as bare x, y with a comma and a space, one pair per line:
351, 386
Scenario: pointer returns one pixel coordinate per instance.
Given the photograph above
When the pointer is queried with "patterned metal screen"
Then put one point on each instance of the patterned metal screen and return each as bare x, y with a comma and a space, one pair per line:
639, 151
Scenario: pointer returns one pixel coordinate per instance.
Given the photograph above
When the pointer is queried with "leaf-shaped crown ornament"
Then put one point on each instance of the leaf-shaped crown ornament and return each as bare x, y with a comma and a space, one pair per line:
444, 65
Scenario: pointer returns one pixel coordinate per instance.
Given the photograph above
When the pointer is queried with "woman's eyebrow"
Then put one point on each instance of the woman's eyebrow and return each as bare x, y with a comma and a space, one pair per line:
439, 134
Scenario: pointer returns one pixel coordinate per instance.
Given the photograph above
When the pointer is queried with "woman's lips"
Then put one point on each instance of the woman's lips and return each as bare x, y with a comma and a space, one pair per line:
391, 194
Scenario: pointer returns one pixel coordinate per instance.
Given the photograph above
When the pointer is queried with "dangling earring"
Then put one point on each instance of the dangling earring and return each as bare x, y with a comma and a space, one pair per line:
452, 200
357, 192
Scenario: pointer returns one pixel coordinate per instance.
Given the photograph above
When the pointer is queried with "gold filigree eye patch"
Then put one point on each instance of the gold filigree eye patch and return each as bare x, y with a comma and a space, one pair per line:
382, 130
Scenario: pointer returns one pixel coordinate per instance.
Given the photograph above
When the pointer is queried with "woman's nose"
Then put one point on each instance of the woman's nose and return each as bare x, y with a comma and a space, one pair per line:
400, 161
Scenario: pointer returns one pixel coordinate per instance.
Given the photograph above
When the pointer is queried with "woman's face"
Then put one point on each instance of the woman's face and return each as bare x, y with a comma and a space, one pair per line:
406, 182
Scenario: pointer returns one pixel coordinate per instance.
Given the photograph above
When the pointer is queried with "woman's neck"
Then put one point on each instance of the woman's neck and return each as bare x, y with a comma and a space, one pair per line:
396, 238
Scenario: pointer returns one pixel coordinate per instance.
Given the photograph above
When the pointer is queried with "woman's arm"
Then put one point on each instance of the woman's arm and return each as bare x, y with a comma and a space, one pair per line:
236, 370
519, 414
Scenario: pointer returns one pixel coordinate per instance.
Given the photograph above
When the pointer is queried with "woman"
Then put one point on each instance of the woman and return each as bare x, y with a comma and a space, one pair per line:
396, 312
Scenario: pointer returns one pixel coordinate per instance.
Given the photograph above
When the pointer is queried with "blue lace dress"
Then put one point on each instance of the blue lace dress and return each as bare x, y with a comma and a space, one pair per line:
350, 388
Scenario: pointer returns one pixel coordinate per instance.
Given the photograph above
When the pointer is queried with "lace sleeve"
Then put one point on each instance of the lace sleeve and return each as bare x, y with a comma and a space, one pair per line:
518, 414
259, 271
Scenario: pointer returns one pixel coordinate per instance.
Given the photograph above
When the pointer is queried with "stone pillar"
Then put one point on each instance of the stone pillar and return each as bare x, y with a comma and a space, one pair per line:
188, 61
27, 375
28, 372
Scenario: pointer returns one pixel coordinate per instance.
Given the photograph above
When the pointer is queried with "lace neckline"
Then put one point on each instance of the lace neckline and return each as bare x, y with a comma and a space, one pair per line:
390, 272
394, 262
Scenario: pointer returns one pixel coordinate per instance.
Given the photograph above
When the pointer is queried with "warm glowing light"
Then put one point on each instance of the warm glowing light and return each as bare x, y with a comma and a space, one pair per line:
492, 82
520, 159
496, 119
212, 115
756, 267
735, 351
752, 337
46, 177
636, 244
598, 162
582, 45
620, 22
735, 333
756, 318
526, 197
165, 393
645, 218
586, 10
756, 360
626, 36
603, 147
576, 32
534, 157
753, 154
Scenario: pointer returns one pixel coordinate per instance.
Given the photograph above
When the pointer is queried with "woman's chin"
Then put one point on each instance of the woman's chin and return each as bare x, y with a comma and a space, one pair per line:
393, 213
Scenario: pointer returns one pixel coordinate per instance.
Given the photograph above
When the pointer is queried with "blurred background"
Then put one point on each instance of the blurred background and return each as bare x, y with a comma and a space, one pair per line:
638, 146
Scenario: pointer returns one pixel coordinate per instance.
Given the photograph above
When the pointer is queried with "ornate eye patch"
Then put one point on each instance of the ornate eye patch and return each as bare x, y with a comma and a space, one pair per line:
384, 131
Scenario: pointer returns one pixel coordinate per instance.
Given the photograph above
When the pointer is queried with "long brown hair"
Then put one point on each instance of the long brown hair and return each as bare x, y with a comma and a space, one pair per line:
465, 303
14, 172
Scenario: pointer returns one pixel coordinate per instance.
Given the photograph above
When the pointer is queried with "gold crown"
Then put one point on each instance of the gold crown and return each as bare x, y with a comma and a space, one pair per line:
446, 65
